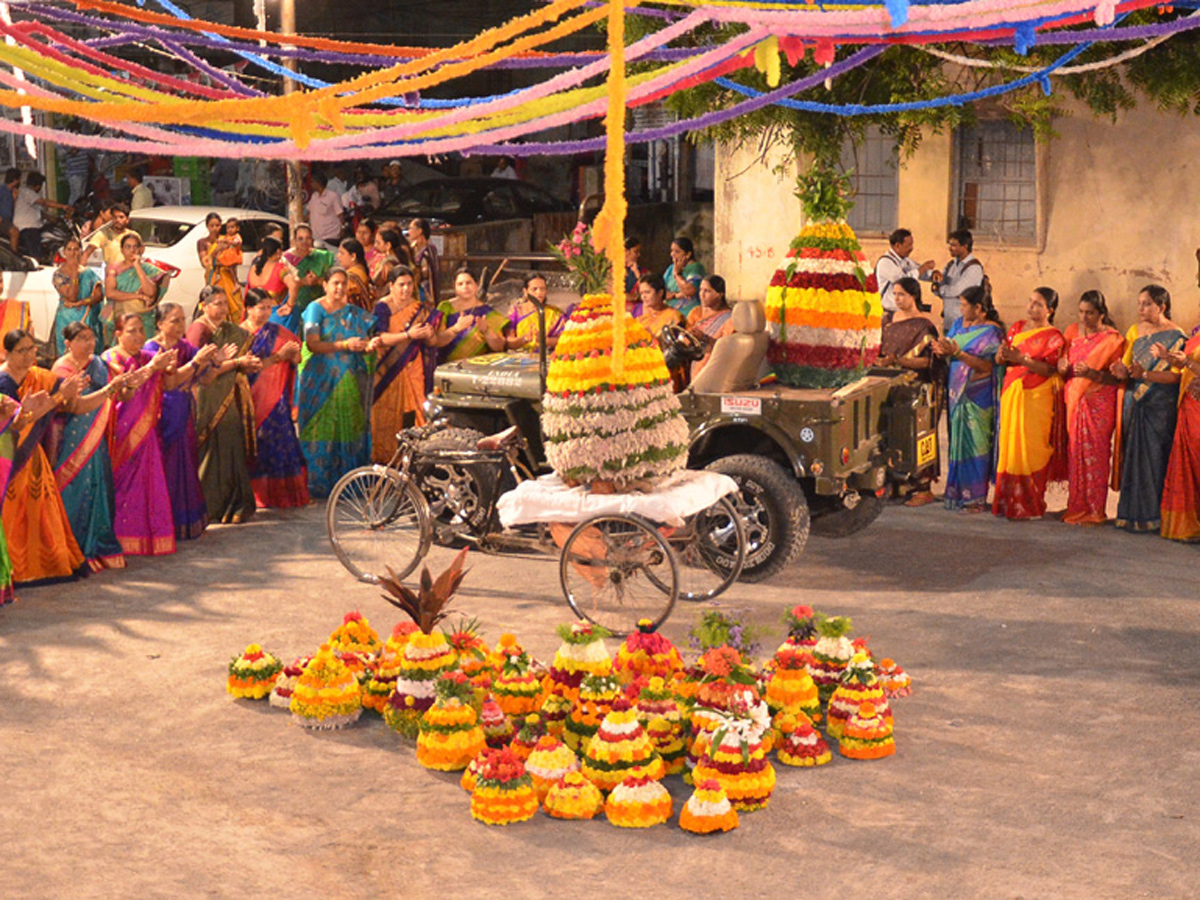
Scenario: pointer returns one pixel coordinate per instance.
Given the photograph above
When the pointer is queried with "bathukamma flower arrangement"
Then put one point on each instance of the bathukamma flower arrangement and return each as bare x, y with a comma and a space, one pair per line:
503, 791
327, 695
252, 675
450, 734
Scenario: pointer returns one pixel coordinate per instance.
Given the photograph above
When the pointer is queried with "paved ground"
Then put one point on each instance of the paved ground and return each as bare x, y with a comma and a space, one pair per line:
1050, 749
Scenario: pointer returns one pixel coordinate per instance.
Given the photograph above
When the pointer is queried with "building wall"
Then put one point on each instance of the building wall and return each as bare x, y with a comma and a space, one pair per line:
1116, 203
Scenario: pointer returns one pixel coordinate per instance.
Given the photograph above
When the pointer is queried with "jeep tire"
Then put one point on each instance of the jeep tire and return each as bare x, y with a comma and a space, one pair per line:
843, 522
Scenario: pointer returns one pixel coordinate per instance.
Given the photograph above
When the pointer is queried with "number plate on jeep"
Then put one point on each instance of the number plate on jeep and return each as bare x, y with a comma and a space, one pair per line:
926, 449
741, 406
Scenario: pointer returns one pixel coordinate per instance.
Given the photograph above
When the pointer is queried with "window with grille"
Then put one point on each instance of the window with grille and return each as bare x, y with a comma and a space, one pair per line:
875, 177
997, 181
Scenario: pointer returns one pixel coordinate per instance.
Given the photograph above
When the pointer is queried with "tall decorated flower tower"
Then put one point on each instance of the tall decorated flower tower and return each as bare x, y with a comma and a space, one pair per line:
823, 310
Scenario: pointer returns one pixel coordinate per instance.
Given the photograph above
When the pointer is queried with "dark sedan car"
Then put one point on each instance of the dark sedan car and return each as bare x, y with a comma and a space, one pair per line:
467, 201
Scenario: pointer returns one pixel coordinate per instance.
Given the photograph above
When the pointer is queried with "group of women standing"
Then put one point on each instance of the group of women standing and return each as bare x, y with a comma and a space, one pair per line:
1088, 405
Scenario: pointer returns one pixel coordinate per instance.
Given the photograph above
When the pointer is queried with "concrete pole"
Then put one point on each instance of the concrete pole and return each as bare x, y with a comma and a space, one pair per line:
295, 177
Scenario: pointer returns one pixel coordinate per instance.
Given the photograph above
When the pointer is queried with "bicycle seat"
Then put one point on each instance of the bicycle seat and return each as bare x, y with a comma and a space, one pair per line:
500, 440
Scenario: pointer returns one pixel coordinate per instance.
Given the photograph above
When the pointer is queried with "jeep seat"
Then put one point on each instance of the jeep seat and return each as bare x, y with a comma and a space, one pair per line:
737, 359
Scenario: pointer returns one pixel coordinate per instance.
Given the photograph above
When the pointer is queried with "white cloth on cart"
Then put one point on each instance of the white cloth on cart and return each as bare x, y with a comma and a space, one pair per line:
548, 499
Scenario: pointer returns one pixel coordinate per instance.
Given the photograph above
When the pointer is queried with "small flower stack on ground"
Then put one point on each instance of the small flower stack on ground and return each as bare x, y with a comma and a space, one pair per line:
471, 773
285, 683
647, 653
858, 686
801, 624
450, 734
573, 797
474, 658
581, 653
867, 735
802, 744
355, 635
327, 695
252, 675
725, 679
620, 749
737, 757
555, 709
531, 731
896, 682
638, 802
791, 688
660, 715
831, 655
497, 729
708, 810
596, 696
548, 762
516, 688
503, 790
387, 667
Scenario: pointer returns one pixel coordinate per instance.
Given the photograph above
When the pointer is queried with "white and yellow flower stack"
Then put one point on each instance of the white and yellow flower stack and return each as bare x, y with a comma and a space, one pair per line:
327, 695
858, 686
708, 810
737, 756
548, 762
659, 713
252, 675
831, 654
285, 683
450, 732
619, 749
581, 653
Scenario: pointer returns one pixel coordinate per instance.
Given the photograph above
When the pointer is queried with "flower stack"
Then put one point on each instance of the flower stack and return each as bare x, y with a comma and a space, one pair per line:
708, 810
474, 658
596, 696
497, 729
791, 688
896, 682
831, 654
555, 709
867, 735
427, 654
470, 774
252, 675
801, 624
801, 744
548, 762
516, 688
503, 790
327, 695
737, 756
620, 749
646, 653
604, 428
573, 797
638, 802
660, 715
725, 679
824, 315
581, 653
285, 683
858, 686
532, 730
355, 635
450, 733
386, 668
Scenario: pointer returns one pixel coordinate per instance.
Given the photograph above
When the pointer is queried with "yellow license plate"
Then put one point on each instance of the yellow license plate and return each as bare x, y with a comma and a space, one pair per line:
926, 449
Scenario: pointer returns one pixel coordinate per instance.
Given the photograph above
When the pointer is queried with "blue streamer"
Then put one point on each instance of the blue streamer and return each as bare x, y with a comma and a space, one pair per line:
898, 10
1024, 39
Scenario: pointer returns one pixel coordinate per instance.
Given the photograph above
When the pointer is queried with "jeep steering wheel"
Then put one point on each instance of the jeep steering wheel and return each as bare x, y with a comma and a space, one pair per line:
679, 346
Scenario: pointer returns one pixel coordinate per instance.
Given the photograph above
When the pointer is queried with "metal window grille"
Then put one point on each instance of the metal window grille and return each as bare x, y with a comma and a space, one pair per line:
997, 181
874, 168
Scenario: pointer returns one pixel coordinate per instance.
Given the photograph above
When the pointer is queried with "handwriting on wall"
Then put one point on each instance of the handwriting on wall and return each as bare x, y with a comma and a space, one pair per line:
756, 251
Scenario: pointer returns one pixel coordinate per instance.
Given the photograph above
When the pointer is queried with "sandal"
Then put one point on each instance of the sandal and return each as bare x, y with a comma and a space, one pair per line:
920, 498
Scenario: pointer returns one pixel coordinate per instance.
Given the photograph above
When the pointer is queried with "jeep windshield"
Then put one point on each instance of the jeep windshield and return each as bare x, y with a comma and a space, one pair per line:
159, 232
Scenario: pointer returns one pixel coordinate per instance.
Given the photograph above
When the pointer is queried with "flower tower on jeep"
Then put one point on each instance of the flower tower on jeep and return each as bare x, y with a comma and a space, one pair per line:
823, 310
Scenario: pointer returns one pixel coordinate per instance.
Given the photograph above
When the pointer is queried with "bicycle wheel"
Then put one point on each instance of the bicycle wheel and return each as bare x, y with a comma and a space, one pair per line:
615, 570
710, 549
377, 519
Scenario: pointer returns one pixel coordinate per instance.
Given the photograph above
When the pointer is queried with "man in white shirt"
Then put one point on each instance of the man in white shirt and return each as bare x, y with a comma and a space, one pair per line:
897, 263
27, 213
142, 197
324, 210
961, 272
504, 169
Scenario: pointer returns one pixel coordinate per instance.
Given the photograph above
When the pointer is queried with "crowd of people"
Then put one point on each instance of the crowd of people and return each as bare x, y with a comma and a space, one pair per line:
1030, 404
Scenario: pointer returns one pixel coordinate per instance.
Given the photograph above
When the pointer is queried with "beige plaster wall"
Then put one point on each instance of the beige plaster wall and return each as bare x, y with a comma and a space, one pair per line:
1117, 205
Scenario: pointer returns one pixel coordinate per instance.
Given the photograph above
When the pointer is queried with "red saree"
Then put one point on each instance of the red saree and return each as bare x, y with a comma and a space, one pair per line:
1091, 420
1181, 494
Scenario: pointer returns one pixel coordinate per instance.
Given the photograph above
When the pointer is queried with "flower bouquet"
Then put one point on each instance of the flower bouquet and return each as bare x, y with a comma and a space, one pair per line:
638, 802
588, 265
620, 749
327, 694
548, 762
708, 810
252, 675
573, 797
450, 734
647, 653
503, 790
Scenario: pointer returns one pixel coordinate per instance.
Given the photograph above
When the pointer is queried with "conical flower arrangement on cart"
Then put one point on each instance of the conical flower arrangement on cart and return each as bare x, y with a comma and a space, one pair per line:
581, 653
859, 685
450, 733
327, 695
646, 653
619, 749
252, 675
605, 428
824, 316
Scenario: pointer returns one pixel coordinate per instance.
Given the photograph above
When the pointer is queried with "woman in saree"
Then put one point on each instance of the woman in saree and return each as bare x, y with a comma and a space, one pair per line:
335, 390
279, 476
711, 320
41, 544
970, 346
523, 330
656, 315
83, 467
682, 277
307, 266
469, 326
1181, 491
143, 522
426, 265
80, 294
365, 233
405, 328
359, 292
225, 256
1150, 389
212, 222
176, 426
1030, 455
133, 286
907, 343
391, 251
1093, 345
224, 411
9, 408
269, 273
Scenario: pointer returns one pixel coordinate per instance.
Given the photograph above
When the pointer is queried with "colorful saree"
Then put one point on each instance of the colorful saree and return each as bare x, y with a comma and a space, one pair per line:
470, 342
279, 476
360, 291
128, 281
14, 314
83, 470
180, 452
1025, 438
713, 324
913, 339
1148, 418
972, 417
335, 399
317, 262
75, 289
428, 284
656, 320
40, 541
525, 325
225, 433
143, 522
1181, 493
1091, 419
8, 446
403, 376
223, 273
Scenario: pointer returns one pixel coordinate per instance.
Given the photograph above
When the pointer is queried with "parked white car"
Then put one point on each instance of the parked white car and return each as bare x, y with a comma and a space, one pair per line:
170, 234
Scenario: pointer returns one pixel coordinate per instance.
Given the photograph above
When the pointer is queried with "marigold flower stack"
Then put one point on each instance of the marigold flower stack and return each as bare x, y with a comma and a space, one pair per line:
638, 802
548, 762
660, 714
386, 669
503, 791
252, 675
327, 695
497, 729
596, 696
737, 756
581, 653
896, 682
831, 654
619, 749
867, 735
801, 744
516, 688
646, 653
858, 686
573, 797
708, 810
531, 731
450, 734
